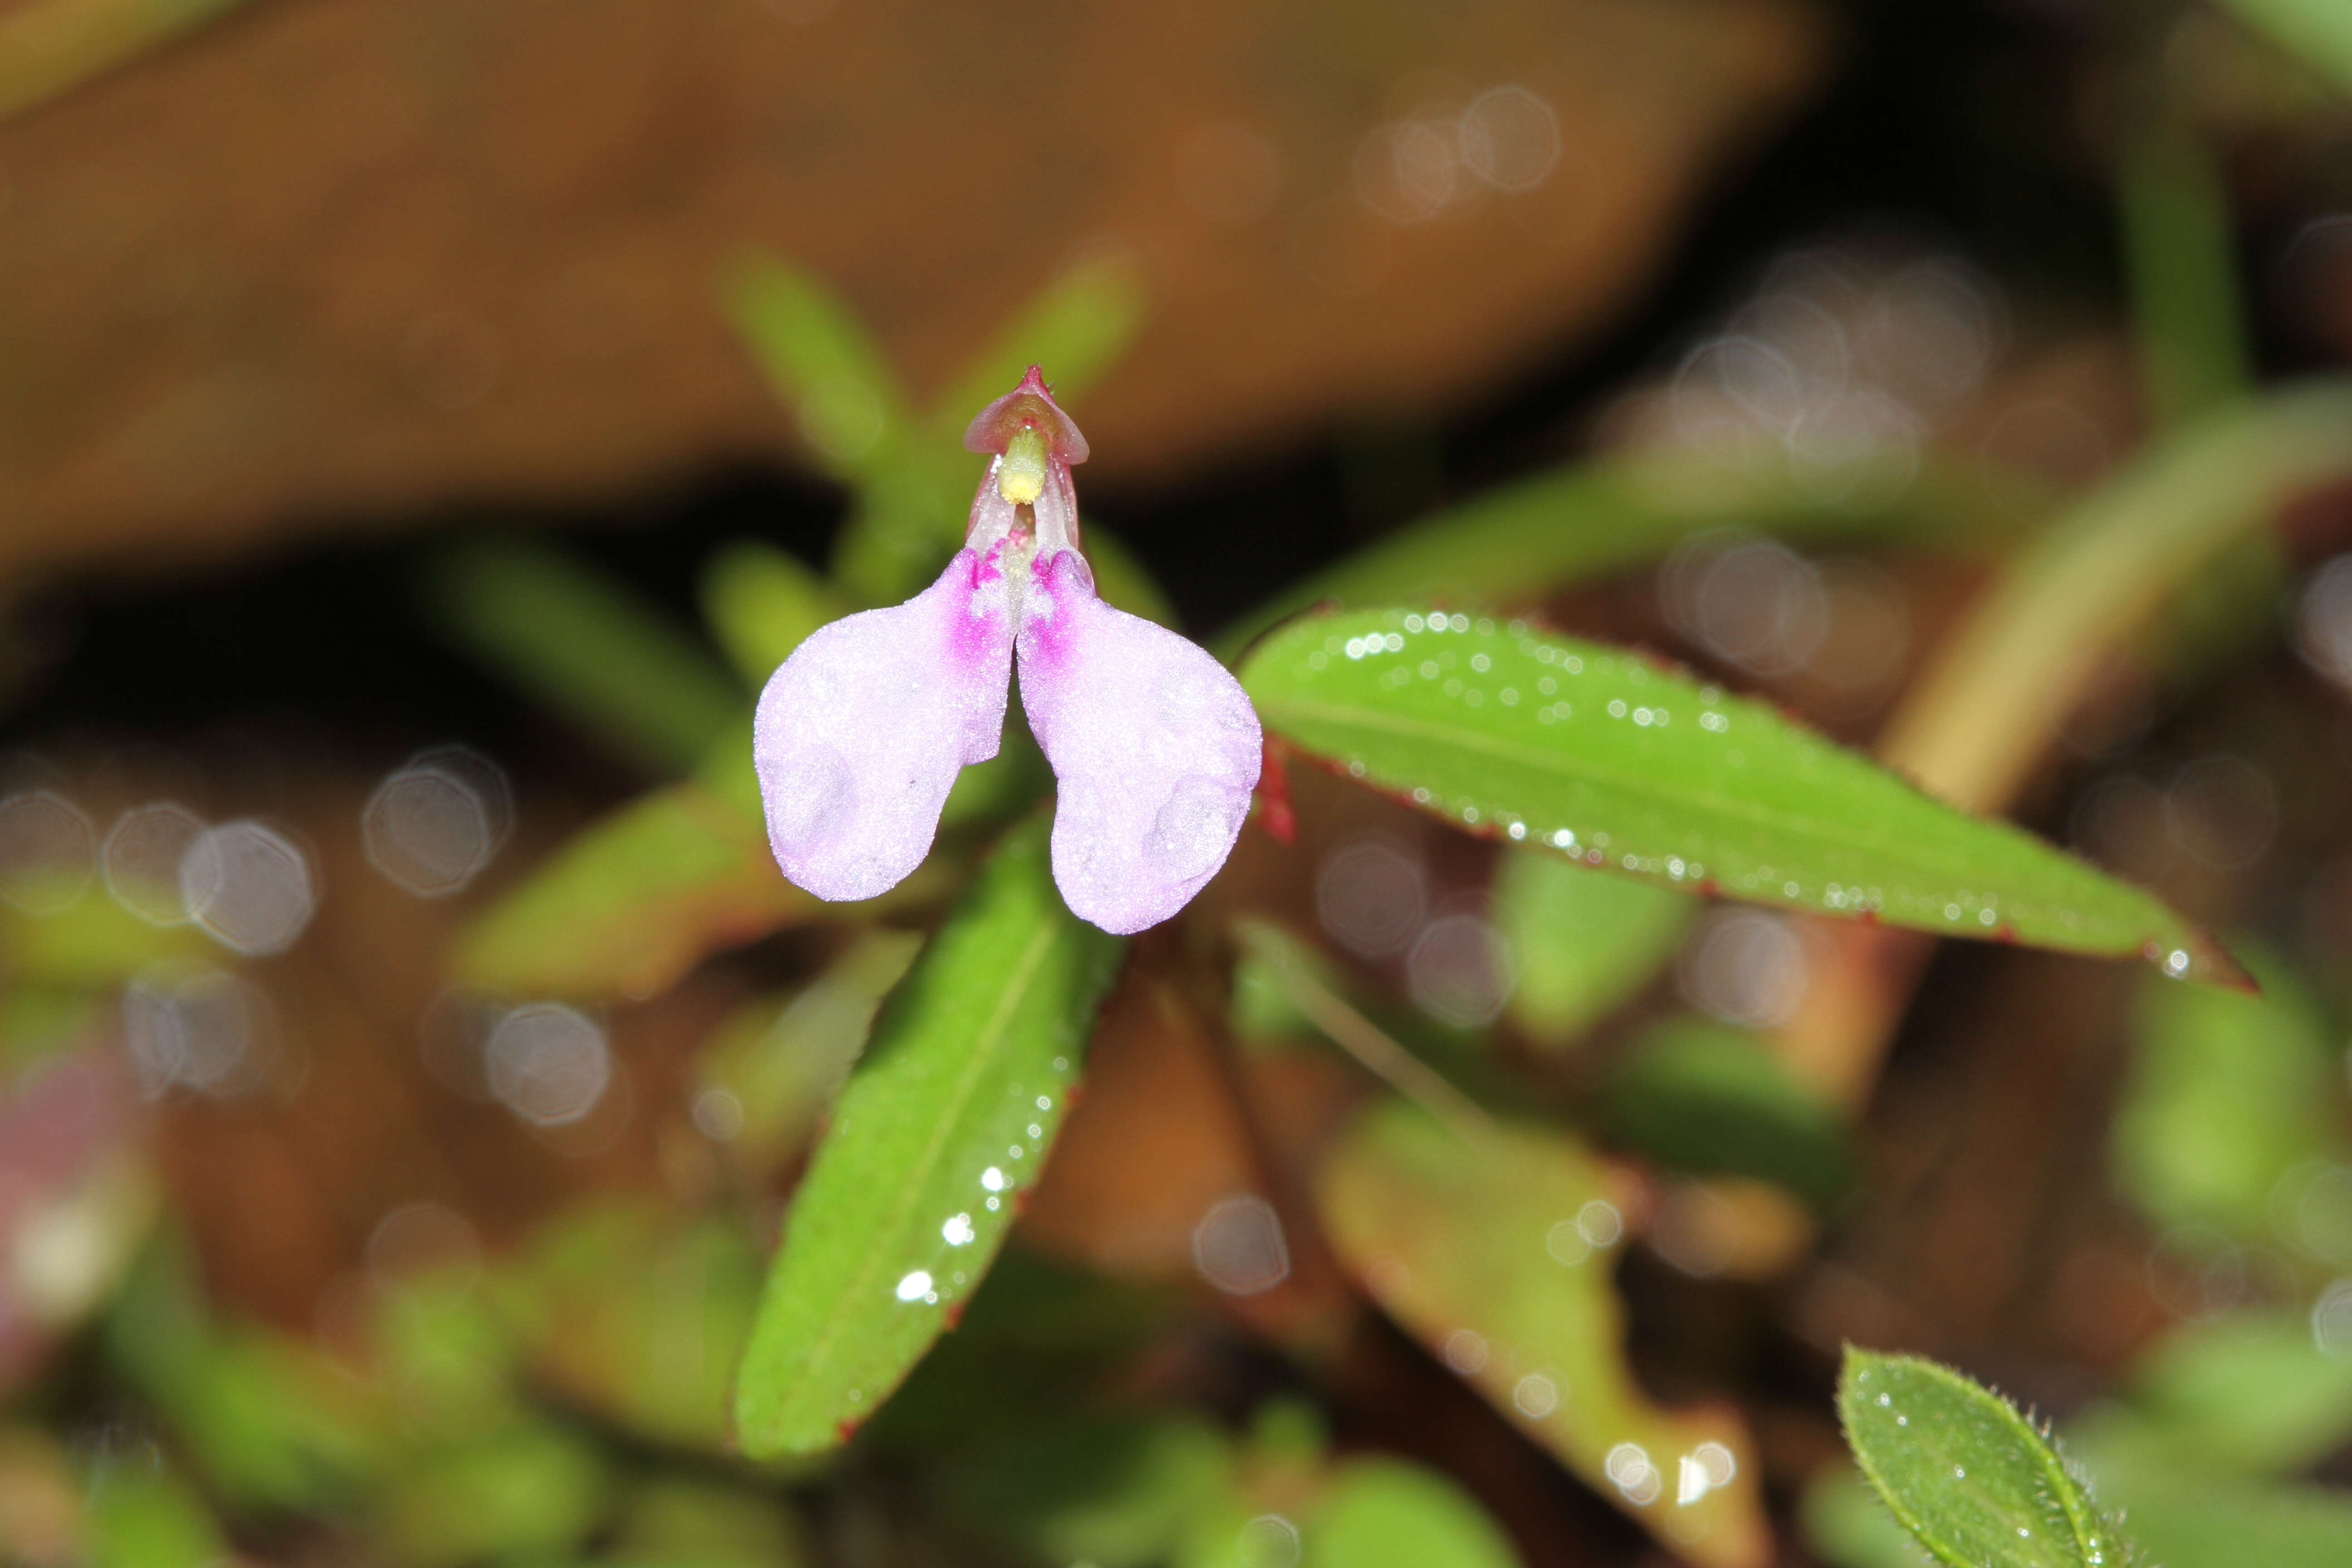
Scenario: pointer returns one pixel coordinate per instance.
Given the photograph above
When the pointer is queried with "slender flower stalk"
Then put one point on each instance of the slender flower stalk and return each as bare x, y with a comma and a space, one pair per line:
1154, 746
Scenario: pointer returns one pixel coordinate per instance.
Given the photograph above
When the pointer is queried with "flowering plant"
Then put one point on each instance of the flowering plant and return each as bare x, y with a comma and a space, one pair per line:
1155, 748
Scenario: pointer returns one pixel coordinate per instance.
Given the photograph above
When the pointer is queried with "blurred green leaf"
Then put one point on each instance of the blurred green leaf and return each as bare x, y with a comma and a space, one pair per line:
2179, 245
92, 941
39, 1021
1584, 942
270, 1420
1116, 1491
640, 1314
2250, 1391
1320, 996
2002, 682
528, 1487
909, 518
50, 47
1386, 1513
436, 1336
1040, 1339
2194, 1515
760, 603
817, 356
1849, 1528
950, 1114
727, 771
587, 647
142, 1515
1583, 520
1263, 1010
1517, 734
1972, 1479
683, 1520
2189, 326
912, 479
2226, 1095
782, 1059
2319, 31
635, 901
1709, 1099
1494, 1252
1077, 328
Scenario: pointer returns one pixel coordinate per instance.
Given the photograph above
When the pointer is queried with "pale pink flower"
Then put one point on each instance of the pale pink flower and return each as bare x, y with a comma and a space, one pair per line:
1154, 746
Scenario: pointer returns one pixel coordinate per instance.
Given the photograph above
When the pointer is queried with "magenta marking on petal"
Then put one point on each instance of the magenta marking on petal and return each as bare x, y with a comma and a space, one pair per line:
860, 733
1153, 742
976, 636
1061, 589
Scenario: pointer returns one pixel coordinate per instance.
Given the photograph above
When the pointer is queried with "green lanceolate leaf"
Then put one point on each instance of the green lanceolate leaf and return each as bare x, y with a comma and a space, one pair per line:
1584, 942
1971, 1479
1494, 1251
1604, 755
947, 1119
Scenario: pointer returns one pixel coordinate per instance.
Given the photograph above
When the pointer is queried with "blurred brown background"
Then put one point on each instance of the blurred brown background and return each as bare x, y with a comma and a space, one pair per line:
334, 260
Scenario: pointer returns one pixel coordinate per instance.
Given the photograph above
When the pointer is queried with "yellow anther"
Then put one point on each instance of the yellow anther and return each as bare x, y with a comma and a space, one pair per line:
1021, 473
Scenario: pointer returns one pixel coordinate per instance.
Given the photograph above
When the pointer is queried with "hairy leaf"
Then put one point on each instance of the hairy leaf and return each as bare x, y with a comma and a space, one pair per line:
1972, 1479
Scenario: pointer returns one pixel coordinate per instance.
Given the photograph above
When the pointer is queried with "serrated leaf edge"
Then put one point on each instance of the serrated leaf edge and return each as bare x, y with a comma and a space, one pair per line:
2104, 1546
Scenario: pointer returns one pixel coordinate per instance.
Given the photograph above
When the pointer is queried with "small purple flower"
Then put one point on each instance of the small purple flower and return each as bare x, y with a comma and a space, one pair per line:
1155, 747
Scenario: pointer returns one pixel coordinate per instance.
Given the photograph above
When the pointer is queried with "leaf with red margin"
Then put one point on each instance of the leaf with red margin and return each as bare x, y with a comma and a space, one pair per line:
1608, 757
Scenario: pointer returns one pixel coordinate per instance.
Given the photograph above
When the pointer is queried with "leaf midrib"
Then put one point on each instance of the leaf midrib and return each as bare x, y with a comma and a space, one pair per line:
991, 1035
1415, 728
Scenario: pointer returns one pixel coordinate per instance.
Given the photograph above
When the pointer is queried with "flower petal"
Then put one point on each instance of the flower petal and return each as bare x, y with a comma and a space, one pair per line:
860, 733
1153, 742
